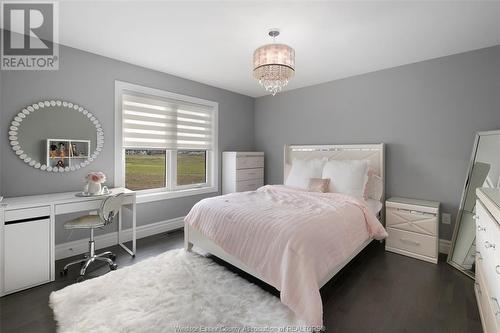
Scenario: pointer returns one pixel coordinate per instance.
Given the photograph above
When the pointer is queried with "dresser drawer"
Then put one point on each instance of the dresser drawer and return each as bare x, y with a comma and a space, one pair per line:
487, 228
247, 174
488, 304
491, 271
249, 185
249, 162
488, 245
406, 242
410, 220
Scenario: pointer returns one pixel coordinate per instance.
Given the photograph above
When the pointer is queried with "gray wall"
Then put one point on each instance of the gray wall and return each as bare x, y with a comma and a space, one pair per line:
426, 113
88, 79
2, 129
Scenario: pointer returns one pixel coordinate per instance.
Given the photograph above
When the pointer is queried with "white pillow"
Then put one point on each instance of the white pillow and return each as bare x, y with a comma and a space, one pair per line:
302, 171
347, 176
374, 187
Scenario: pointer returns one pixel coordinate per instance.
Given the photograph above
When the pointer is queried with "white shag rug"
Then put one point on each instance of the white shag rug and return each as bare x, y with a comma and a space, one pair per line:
176, 291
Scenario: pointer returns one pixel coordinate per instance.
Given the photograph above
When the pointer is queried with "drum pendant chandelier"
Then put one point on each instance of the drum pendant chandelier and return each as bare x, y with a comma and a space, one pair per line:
274, 65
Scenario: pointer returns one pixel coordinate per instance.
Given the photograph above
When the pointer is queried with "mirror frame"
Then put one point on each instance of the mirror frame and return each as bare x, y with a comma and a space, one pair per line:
66, 106
462, 202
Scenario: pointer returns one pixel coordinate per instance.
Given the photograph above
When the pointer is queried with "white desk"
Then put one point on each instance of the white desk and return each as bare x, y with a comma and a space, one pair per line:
27, 234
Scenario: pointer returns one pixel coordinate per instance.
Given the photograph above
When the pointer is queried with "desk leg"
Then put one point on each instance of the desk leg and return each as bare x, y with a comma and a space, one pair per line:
134, 227
134, 236
52, 242
120, 226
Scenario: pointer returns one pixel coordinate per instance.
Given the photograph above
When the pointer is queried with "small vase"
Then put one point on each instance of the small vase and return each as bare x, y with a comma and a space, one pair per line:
94, 188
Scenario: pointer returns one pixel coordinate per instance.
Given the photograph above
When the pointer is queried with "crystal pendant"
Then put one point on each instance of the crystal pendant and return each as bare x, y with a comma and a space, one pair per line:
274, 66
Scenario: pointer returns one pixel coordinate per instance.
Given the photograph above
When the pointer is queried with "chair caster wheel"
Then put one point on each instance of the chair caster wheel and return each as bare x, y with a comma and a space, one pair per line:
112, 257
113, 267
80, 278
64, 272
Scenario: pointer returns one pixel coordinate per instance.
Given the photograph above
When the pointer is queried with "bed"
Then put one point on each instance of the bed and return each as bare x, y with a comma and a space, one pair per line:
292, 239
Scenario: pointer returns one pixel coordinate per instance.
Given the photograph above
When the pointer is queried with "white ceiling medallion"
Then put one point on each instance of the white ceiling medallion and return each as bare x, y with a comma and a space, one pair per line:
274, 64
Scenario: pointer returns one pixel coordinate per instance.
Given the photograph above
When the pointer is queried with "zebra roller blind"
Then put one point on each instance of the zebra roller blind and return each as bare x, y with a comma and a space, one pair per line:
161, 123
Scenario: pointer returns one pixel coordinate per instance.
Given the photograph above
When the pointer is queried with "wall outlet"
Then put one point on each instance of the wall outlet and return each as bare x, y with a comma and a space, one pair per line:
446, 218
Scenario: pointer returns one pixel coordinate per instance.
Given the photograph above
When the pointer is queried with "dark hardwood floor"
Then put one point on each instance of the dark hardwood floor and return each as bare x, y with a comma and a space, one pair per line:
377, 292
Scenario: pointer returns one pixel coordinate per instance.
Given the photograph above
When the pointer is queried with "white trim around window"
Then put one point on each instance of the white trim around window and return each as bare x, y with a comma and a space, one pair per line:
169, 192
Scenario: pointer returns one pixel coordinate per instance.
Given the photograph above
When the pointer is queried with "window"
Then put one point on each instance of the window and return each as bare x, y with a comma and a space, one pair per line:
191, 167
145, 169
166, 143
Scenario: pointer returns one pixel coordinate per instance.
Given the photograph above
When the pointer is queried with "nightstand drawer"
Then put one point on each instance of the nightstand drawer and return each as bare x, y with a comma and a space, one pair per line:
247, 174
411, 220
411, 243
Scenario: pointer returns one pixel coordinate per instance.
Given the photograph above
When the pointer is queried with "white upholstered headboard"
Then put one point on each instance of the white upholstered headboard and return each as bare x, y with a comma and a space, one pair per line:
373, 152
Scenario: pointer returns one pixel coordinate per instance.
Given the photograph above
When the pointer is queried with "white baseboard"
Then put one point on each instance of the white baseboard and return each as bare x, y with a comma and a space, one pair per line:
81, 246
444, 246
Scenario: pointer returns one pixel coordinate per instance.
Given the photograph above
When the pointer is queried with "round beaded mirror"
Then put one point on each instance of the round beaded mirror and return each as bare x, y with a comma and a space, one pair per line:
56, 136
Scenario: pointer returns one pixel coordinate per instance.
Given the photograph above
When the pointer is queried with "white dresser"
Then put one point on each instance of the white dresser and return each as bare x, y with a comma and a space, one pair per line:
242, 171
413, 228
487, 285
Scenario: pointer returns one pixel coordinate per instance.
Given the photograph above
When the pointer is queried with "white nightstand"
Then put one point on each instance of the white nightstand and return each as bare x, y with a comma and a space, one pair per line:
413, 228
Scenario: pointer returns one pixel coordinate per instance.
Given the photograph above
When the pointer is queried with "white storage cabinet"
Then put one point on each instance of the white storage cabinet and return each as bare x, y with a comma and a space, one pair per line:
25, 248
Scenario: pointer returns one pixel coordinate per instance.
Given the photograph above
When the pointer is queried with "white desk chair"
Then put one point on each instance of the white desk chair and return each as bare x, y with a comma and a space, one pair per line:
106, 214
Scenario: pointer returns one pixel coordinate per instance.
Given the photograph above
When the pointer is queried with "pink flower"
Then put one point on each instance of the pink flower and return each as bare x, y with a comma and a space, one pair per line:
96, 177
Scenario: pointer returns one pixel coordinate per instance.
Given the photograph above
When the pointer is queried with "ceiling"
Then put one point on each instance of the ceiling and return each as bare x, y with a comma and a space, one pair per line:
213, 42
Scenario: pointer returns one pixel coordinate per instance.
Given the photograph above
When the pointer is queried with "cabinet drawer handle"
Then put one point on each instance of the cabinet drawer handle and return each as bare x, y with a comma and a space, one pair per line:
495, 300
415, 212
479, 255
404, 240
489, 245
497, 269
479, 228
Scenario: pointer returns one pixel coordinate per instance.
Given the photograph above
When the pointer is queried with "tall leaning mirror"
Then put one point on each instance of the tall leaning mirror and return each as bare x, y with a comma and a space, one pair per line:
484, 171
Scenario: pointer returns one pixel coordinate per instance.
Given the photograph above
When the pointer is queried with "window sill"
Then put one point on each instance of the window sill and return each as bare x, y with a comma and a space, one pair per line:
164, 195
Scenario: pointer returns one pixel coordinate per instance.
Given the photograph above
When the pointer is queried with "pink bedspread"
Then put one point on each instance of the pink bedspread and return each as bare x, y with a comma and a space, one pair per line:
292, 238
